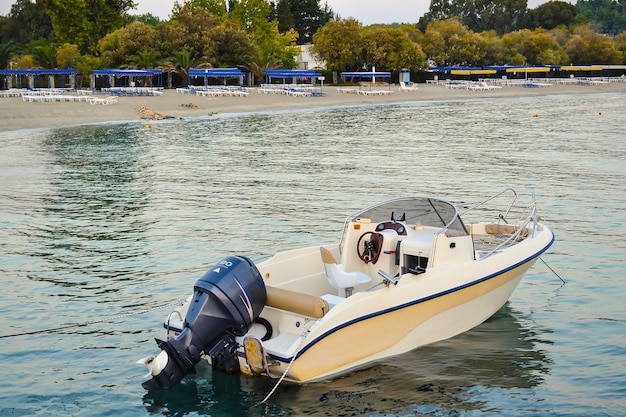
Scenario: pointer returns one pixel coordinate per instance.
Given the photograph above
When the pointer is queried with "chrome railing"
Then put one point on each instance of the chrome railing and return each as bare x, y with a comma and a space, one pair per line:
531, 219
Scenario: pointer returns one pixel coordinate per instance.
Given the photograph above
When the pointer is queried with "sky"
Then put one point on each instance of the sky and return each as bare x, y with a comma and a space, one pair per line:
365, 11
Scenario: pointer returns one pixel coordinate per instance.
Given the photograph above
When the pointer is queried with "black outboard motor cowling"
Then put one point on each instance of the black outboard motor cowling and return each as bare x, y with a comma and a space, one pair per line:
227, 300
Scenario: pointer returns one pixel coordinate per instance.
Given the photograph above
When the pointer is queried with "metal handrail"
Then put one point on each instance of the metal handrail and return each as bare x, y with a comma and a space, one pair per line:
498, 194
532, 217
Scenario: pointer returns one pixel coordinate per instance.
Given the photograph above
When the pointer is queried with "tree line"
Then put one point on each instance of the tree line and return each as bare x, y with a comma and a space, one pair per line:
256, 35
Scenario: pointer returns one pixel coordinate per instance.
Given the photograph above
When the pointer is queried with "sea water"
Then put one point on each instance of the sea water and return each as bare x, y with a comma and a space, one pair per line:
104, 227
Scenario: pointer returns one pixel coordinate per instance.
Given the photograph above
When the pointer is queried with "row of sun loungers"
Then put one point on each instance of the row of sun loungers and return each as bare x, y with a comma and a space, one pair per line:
219, 92
49, 98
295, 90
133, 91
214, 91
496, 83
364, 92
13, 92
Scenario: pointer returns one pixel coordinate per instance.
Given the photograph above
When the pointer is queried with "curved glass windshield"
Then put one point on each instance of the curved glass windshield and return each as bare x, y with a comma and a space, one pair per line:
426, 211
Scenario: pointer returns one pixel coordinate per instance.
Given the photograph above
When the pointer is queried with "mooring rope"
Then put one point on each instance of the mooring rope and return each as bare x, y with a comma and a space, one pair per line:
553, 271
177, 302
282, 377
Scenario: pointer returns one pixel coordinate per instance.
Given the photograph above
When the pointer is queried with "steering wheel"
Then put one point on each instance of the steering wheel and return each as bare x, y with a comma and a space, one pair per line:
372, 248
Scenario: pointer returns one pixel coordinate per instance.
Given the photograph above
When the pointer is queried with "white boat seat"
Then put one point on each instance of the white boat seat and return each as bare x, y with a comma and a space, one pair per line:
332, 300
338, 277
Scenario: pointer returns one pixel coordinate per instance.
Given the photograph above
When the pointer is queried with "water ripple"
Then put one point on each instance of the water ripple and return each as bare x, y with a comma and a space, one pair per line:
106, 220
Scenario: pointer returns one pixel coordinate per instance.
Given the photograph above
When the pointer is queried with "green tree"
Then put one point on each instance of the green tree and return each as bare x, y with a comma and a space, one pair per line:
147, 18
183, 61
23, 61
27, 21
84, 67
502, 16
620, 45
44, 52
191, 29
128, 43
7, 50
551, 15
68, 56
450, 43
284, 16
217, 8
262, 60
609, 14
109, 49
492, 48
308, 18
537, 47
85, 22
253, 17
440, 10
340, 44
391, 50
282, 46
478, 15
586, 46
145, 59
233, 47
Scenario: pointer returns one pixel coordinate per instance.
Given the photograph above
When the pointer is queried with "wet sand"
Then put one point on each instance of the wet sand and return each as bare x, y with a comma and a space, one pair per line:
18, 114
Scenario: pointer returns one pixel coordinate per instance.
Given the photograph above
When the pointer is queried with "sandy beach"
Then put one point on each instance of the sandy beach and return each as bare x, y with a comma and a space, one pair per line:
19, 114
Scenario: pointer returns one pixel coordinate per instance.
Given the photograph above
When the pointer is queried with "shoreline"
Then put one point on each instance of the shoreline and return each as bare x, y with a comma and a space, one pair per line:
18, 114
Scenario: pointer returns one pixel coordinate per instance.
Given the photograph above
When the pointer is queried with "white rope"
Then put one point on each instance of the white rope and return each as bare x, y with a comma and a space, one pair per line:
177, 302
282, 377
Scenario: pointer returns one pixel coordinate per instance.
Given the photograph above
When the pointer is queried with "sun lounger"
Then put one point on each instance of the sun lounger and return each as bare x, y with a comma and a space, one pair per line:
482, 85
104, 101
406, 88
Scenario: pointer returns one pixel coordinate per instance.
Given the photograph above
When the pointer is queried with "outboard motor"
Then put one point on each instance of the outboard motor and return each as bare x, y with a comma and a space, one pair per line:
227, 300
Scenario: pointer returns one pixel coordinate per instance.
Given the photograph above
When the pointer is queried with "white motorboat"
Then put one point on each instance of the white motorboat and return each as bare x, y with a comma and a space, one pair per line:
405, 273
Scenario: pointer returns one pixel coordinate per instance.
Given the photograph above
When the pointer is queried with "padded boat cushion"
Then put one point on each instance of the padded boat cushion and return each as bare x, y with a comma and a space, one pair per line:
296, 302
503, 229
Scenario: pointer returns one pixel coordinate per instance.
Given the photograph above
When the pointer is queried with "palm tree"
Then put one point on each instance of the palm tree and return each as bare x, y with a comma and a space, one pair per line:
146, 59
7, 50
45, 53
263, 60
183, 61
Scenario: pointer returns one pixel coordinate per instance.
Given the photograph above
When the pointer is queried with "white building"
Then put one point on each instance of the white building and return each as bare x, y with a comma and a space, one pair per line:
306, 60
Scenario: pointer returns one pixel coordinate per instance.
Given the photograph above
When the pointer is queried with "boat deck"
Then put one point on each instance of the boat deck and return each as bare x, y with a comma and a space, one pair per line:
484, 244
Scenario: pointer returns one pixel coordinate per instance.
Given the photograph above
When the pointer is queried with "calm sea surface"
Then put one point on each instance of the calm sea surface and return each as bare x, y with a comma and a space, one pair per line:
103, 227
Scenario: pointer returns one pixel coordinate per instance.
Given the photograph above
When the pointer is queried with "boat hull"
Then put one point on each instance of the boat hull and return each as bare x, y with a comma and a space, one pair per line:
400, 328
406, 273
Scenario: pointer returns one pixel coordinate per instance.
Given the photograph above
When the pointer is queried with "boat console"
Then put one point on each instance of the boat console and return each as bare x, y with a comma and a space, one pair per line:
400, 248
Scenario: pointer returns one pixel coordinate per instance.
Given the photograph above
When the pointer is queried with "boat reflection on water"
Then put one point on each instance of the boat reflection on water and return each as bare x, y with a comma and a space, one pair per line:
504, 353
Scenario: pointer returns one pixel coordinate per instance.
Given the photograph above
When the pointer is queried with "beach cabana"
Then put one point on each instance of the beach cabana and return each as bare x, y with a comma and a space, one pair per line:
452, 70
476, 71
294, 82
222, 73
531, 70
582, 70
124, 78
360, 75
38, 78
528, 70
365, 74
524, 70
293, 75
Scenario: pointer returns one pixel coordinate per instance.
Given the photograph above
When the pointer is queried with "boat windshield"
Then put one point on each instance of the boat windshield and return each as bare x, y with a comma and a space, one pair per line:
425, 211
